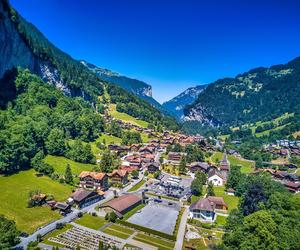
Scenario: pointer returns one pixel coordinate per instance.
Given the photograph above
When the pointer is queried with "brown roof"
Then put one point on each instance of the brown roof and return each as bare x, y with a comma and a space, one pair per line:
81, 194
119, 172
95, 175
203, 204
122, 203
217, 200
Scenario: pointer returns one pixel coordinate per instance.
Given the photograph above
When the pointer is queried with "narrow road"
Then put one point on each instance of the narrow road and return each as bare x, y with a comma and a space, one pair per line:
181, 230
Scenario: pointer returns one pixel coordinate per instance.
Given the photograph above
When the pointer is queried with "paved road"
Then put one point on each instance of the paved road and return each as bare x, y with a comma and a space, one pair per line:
71, 216
181, 230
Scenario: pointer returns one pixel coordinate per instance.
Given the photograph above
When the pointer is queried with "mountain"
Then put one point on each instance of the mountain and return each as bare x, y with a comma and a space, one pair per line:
177, 104
258, 94
137, 87
23, 45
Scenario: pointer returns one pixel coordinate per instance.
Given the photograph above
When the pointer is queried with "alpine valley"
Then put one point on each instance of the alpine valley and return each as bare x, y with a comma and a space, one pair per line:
90, 160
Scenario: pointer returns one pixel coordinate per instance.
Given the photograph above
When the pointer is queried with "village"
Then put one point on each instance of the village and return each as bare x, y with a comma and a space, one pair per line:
149, 201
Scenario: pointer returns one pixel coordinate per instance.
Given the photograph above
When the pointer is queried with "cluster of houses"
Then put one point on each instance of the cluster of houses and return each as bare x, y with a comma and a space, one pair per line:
216, 174
290, 180
283, 148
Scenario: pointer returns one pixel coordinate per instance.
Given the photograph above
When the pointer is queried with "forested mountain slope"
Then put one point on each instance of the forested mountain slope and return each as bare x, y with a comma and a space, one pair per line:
137, 87
252, 96
23, 45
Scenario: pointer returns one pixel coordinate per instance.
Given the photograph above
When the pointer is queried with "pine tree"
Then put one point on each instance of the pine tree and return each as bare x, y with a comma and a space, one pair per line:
210, 189
68, 175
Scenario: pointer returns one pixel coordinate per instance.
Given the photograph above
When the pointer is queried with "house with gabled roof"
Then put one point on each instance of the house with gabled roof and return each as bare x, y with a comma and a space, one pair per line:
93, 180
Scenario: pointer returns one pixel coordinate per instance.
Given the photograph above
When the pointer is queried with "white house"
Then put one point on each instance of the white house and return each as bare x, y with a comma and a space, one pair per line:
216, 178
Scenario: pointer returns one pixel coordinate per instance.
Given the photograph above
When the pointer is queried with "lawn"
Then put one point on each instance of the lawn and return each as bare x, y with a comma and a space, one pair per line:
298, 171
90, 221
232, 201
195, 198
154, 241
119, 231
54, 234
132, 212
126, 118
137, 186
221, 220
59, 164
246, 166
13, 199
109, 139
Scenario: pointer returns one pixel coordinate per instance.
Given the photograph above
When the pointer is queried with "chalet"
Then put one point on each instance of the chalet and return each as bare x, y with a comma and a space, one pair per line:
83, 198
63, 207
146, 150
205, 209
119, 176
293, 187
93, 180
147, 158
122, 204
133, 160
129, 169
175, 156
219, 202
199, 167
216, 178
152, 167
117, 148
135, 147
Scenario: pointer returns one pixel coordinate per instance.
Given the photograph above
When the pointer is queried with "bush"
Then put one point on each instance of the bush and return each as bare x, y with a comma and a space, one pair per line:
80, 214
59, 225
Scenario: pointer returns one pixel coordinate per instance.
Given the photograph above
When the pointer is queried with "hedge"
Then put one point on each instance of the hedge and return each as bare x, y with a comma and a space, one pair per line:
148, 230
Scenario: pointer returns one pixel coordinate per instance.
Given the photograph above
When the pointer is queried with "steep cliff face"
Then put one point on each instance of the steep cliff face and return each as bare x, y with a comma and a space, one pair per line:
14, 52
177, 104
22, 45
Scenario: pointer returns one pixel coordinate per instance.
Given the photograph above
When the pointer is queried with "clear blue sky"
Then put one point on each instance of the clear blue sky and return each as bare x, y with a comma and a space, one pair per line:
171, 45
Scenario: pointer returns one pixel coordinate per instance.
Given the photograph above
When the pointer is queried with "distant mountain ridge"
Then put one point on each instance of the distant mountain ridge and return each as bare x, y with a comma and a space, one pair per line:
177, 104
249, 97
137, 87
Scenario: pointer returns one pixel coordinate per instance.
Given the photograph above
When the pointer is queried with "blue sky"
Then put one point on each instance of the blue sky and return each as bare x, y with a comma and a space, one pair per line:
171, 45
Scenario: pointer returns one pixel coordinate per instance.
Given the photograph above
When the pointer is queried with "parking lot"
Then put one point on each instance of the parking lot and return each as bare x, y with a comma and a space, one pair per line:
157, 216
165, 187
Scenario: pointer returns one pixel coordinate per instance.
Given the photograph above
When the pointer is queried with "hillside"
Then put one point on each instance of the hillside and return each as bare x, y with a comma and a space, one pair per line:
260, 94
137, 87
177, 104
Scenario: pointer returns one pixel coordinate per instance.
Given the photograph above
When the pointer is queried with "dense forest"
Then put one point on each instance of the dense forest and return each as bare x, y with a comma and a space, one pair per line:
268, 216
138, 108
40, 121
262, 93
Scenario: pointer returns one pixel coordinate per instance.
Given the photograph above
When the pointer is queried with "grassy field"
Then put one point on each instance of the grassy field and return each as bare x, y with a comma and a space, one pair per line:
247, 166
154, 241
109, 139
232, 201
54, 234
14, 196
119, 231
125, 117
137, 186
90, 221
59, 164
